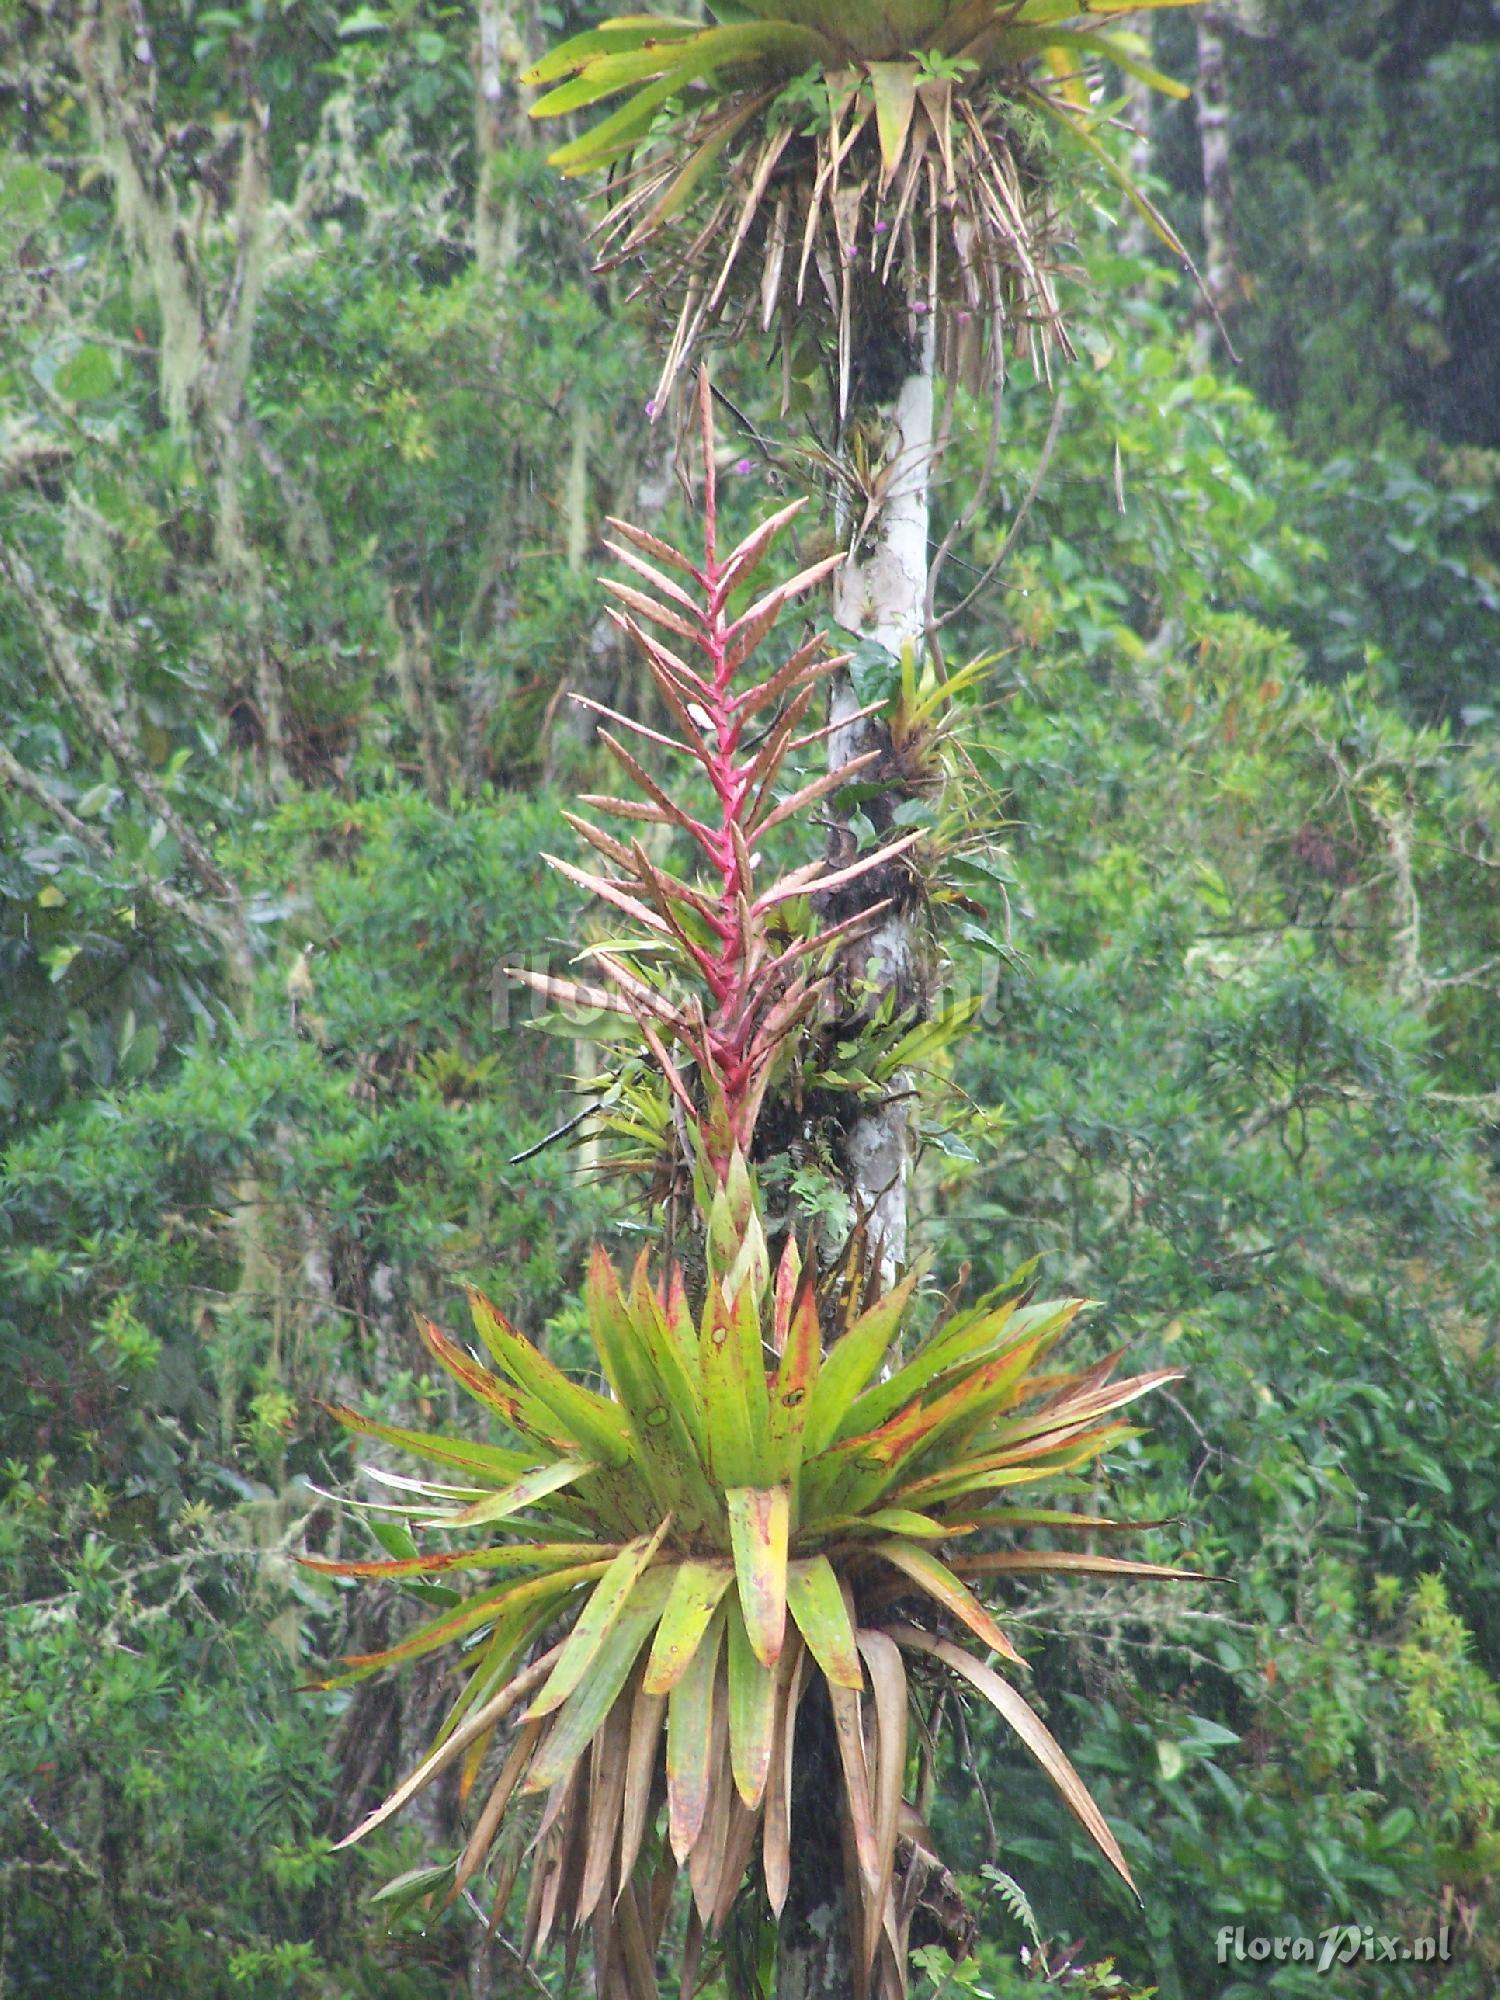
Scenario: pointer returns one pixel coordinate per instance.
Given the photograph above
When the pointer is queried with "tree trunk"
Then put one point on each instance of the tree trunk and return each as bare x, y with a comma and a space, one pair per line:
500, 104
1220, 276
207, 337
1135, 230
881, 594
814, 1961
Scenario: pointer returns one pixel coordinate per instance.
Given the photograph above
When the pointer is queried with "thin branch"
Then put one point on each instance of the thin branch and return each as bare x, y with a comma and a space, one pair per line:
963, 521
1054, 431
209, 922
75, 681
528, 1972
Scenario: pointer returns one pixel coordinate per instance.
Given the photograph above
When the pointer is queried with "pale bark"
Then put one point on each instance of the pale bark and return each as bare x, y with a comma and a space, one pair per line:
881, 594
500, 105
206, 344
1135, 230
1221, 279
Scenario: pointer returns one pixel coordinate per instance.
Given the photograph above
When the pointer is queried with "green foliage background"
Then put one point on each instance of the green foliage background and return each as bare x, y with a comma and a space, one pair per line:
1238, 1053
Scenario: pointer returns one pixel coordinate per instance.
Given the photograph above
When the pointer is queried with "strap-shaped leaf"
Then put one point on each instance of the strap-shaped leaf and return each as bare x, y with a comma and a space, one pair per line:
585, 1709
1032, 1731
758, 1523
610, 71
1072, 1562
1069, 78
1054, 1517
526, 1491
654, 1388
495, 1710
610, 1596
940, 1584
507, 1555
895, 85
499, 1658
485, 1609
859, 1470
935, 1488
696, 1592
752, 1712
956, 1349
1085, 1408
597, 1425
1117, 50
785, 1292
675, 64
856, 1801
690, 1729
735, 1400
488, 1464
613, 135
608, 1761
739, 1845
647, 1713
1076, 129
625, 31
776, 1819
817, 1605
523, 1413
665, 1325
791, 1392
488, 1823
888, 1692
852, 1360
894, 1521
706, 1861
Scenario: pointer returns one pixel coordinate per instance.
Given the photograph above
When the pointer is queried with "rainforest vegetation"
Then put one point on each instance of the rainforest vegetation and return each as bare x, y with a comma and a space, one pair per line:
314, 413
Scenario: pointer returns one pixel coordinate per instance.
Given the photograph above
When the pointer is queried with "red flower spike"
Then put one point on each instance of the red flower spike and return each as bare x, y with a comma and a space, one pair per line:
733, 994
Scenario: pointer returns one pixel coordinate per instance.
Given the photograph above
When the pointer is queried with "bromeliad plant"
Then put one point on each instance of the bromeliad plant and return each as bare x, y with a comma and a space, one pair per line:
766, 1504
798, 153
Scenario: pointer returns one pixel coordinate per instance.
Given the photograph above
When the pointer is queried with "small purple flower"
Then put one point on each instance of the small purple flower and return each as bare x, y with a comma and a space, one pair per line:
881, 228
651, 409
920, 306
742, 466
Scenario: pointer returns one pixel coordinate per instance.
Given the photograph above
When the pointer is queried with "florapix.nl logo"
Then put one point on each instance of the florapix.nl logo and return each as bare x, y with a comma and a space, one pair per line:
1338, 1944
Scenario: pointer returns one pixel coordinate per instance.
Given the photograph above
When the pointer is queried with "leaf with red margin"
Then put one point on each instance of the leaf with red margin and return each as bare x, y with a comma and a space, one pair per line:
1032, 1731
488, 1463
596, 1424
944, 1588
518, 1409
791, 1392
606, 1606
585, 1709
